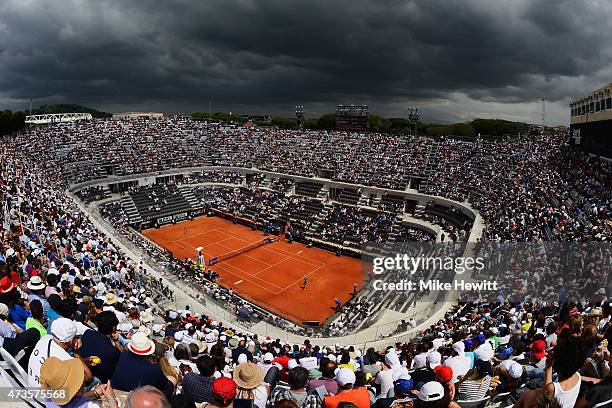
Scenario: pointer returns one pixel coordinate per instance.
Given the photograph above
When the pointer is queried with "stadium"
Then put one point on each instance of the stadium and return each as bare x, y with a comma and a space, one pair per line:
324, 204
228, 238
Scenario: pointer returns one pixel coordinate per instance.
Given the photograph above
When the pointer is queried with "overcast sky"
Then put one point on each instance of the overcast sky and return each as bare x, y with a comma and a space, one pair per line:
454, 59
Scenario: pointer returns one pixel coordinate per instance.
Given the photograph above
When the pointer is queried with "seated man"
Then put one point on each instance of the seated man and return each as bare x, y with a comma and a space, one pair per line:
327, 379
102, 343
56, 344
298, 377
346, 392
135, 369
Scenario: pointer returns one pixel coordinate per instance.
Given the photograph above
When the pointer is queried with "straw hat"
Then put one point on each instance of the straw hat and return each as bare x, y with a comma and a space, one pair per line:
248, 375
110, 298
145, 317
36, 283
141, 345
233, 343
67, 375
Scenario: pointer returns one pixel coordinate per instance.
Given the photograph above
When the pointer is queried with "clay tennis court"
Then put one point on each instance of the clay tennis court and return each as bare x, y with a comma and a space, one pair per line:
270, 275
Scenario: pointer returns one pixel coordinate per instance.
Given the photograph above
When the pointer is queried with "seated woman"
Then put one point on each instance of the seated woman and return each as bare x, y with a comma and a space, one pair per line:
475, 384
565, 360
602, 391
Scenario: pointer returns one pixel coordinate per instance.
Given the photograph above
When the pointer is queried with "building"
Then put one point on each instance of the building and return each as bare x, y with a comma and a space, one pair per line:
591, 121
352, 118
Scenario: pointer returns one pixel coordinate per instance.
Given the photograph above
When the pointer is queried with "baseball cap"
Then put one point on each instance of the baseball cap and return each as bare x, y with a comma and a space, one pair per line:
484, 352
64, 330
443, 373
538, 349
515, 370
268, 357
506, 352
434, 359
224, 389
431, 391
404, 384
345, 376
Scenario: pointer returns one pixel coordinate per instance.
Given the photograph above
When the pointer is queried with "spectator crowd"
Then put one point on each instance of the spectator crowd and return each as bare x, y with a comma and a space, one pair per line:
85, 319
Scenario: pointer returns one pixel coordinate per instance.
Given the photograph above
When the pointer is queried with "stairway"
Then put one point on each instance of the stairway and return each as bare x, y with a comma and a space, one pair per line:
323, 193
187, 193
130, 209
364, 201
318, 219
419, 211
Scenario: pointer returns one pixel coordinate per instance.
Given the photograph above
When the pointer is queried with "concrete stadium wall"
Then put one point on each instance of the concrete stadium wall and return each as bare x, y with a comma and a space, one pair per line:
411, 194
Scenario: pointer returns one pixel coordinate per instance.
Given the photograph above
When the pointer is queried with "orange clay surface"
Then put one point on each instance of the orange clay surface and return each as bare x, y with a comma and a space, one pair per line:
270, 276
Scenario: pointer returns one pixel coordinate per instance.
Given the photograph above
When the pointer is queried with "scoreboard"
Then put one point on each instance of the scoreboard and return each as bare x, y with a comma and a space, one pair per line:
352, 118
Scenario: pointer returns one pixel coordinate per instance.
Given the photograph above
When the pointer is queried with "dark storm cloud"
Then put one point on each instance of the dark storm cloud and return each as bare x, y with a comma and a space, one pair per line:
269, 55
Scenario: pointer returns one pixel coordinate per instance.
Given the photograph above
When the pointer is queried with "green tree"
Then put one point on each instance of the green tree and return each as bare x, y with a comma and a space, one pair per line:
69, 108
11, 121
462, 129
284, 123
327, 122
199, 115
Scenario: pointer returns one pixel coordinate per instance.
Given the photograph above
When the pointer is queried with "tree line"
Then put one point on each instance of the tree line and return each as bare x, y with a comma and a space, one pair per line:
13, 121
395, 125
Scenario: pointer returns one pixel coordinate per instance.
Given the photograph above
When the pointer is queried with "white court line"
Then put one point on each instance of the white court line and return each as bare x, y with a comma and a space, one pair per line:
202, 233
295, 257
278, 251
299, 280
234, 236
212, 242
248, 280
281, 251
270, 266
189, 248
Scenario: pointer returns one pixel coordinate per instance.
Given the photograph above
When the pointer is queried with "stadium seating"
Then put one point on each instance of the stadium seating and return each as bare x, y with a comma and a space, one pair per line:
525, 192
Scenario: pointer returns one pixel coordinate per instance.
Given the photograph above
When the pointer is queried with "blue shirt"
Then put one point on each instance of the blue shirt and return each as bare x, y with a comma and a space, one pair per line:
97, 344
51, 316
77, 402
19, 315
6, 332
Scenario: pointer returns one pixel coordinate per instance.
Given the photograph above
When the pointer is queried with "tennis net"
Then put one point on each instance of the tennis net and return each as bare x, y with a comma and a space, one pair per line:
236, 252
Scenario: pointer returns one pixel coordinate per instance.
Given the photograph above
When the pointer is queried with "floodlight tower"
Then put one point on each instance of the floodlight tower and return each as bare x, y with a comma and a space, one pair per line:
413, 117
543, 114
299, 114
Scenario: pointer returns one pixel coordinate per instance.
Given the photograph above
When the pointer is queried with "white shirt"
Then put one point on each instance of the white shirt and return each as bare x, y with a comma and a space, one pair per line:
460, 366
568, 398
44, 349
385, 379
438, 342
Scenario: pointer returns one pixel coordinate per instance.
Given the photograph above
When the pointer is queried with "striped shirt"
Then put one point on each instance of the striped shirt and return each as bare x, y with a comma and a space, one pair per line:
471, 390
